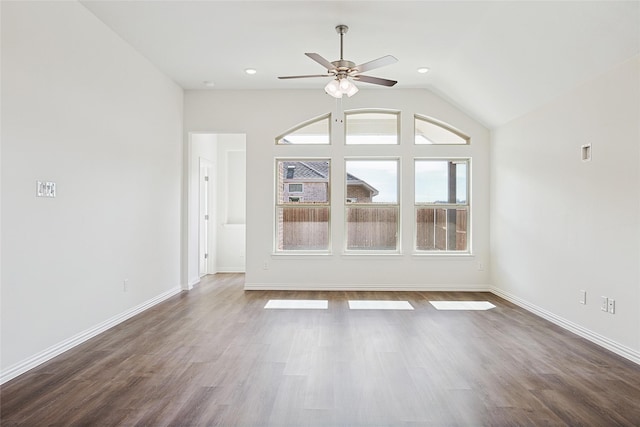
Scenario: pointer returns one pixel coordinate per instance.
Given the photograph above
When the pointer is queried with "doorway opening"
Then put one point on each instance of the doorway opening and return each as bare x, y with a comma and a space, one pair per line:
216, 205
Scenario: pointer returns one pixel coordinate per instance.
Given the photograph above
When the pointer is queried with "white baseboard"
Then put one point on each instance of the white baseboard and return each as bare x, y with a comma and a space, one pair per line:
231, 270
191, 283
617, 348
55, 350
363, 287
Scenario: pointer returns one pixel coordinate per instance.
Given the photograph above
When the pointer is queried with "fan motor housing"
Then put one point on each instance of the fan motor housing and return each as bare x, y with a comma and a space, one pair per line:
344, 65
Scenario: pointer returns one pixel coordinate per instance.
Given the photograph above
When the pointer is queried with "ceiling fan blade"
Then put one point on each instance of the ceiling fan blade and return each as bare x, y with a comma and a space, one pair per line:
304, 77
320, 60
376, 63
375, 80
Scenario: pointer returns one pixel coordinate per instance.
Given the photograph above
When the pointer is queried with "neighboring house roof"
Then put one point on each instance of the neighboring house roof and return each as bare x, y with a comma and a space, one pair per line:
302, 171
306, 170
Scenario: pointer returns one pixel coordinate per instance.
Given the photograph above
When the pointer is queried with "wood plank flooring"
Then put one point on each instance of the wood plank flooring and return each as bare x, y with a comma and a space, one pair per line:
215, 357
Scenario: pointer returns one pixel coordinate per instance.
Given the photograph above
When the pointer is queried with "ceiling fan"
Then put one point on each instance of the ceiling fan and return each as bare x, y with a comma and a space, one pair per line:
342, 70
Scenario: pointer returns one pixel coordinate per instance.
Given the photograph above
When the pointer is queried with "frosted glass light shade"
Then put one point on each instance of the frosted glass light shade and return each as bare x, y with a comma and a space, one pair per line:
351, 90
333, 89
339, 87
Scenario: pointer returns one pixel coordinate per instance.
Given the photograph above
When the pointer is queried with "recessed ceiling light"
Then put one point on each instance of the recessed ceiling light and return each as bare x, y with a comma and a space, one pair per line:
207, 83
423, 70
250, 71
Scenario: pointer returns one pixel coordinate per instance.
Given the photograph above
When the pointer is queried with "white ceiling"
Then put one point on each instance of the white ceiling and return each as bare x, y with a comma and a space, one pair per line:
495, 60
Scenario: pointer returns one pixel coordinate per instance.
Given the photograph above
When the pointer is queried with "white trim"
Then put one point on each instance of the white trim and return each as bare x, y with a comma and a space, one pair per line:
440, 124
55, 350
303, 125
236, 269
191, 284
602, 341
364, 287
389, 112
302, 253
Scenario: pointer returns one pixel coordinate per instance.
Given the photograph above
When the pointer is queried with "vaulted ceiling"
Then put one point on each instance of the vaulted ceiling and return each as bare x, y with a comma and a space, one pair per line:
495, 60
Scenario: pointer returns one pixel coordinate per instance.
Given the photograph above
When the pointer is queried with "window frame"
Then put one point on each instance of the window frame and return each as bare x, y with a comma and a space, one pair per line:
281, 204
396, 113
304, 124
435, 205
351, 205
442, 125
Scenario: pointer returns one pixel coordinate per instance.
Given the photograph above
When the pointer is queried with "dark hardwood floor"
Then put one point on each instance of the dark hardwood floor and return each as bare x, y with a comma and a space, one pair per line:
214, 356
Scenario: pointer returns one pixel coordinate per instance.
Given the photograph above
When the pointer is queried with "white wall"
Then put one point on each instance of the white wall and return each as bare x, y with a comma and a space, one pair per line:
83, 109
231, 203
558, 224
263, 115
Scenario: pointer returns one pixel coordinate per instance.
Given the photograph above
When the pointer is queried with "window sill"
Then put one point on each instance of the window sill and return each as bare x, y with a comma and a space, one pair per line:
300, 253
371, 254
452, 255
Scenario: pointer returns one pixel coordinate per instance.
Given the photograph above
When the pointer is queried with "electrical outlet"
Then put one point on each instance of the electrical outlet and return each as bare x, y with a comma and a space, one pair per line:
604, 304
265, 266
612, 306
480, 266
125, 285
583, 296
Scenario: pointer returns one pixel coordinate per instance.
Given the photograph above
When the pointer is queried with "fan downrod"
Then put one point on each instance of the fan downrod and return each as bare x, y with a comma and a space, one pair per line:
342, 30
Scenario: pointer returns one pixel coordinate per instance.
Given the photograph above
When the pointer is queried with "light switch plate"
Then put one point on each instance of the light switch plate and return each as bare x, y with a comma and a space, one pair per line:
45, 189
612, 306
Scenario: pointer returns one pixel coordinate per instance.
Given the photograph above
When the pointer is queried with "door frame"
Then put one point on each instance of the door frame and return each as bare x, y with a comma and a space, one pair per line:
206, 218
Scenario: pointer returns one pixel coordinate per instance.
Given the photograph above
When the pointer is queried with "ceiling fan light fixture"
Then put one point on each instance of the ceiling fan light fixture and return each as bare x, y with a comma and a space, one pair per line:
351, 90
341, 86
342, 71
333, 89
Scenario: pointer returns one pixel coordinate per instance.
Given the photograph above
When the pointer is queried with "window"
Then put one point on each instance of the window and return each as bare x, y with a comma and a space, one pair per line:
372, 127
370, 197
372, 209
302, 219
315, 131
295, 188
432, 131
442, 205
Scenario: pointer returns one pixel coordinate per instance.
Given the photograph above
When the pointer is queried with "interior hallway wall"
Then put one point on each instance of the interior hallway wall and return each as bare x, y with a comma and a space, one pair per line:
82, 108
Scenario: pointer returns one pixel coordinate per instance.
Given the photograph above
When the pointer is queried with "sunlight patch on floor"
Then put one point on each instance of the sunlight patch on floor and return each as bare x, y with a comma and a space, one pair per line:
299, 304
379, 305
462, 305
